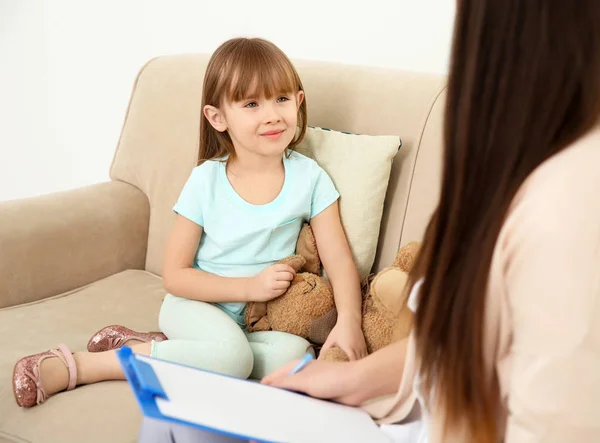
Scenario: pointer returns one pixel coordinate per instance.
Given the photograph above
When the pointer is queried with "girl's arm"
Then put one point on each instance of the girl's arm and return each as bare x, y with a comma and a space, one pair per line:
182, 280
338, 262
351, 383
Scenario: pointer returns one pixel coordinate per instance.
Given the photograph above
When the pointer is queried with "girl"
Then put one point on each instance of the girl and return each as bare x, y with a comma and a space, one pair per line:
239, 213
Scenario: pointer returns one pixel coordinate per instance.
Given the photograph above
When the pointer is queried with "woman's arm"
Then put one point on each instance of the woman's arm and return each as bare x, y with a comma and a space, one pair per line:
182, 280
338, 262
351, 383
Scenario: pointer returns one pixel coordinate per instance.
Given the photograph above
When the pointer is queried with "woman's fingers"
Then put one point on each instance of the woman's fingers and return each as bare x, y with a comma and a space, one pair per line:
268, 379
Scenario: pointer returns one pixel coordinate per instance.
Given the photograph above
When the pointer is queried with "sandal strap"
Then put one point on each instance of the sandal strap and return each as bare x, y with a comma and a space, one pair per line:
69, 362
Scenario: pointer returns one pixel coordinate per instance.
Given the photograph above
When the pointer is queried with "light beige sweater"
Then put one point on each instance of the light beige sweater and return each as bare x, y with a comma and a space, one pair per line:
542, 326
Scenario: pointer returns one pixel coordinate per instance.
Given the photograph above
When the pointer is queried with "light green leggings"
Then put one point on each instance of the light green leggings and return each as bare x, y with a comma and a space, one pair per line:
203, 336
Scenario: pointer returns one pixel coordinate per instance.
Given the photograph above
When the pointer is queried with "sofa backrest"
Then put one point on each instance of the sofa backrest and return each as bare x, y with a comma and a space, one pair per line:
159, 142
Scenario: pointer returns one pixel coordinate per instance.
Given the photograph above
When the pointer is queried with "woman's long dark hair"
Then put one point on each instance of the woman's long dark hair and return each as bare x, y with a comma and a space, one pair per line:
524, 83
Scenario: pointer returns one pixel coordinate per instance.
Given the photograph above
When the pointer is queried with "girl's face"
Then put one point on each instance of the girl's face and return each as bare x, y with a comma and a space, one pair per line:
260, 125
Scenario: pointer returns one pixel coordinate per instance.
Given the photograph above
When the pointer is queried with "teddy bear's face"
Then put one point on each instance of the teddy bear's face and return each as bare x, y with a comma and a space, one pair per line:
309, 298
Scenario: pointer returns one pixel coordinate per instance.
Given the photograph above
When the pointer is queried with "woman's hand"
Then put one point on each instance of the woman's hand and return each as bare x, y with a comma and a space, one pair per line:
351, 383
337, 381
348, 336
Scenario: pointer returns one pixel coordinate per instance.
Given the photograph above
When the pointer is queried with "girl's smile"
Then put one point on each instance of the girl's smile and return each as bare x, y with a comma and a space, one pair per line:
273, 134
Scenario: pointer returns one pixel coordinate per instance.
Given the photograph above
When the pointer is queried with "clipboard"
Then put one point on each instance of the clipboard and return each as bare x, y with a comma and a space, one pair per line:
240, 408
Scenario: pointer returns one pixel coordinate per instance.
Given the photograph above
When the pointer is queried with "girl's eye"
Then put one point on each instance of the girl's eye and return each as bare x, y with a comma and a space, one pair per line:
282, 99
251, 105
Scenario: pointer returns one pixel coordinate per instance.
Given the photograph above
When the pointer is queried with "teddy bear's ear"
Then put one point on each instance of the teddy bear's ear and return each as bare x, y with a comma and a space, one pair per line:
307, 248
406, 256
388, 290
295, 261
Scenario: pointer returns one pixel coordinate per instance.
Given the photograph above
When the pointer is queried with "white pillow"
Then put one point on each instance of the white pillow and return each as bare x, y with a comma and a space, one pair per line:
360, 167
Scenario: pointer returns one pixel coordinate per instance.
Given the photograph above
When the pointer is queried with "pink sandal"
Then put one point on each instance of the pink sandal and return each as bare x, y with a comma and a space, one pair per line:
27, 383
115, 336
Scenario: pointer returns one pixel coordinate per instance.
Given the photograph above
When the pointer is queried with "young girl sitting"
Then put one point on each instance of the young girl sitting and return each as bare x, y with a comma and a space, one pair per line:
239, 213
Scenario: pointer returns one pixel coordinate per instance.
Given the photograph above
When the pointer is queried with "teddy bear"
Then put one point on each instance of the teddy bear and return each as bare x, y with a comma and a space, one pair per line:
307, 308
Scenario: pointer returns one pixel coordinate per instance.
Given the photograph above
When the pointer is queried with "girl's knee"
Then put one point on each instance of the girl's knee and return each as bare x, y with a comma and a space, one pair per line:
165, 314
298, 348
283, 342
182, 318
245, 362
231, 357
274, 350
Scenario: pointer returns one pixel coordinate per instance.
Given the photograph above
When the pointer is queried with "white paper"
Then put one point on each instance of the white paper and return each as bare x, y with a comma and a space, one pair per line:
247, 408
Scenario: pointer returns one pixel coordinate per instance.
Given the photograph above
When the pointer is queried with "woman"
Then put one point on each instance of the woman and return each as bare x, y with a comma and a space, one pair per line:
506, 345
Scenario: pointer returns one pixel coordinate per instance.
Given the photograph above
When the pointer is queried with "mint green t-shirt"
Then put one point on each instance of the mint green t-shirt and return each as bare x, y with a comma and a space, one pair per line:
241, 239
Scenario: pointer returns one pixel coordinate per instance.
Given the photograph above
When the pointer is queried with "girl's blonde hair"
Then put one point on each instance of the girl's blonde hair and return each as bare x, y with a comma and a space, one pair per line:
242, 68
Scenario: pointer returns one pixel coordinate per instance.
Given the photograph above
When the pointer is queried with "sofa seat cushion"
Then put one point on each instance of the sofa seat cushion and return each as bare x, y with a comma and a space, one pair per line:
103, 412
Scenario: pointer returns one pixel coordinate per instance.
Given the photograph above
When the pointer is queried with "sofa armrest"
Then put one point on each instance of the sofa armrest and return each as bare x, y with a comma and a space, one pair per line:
58, 242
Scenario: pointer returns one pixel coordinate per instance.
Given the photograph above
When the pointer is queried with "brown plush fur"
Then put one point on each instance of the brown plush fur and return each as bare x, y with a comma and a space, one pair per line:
309, 298
300, 309
406, 256
307, 309
334, 354
307, 247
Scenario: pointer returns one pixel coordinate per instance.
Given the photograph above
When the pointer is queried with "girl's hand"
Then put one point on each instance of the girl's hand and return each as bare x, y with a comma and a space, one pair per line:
271, 283
329, 380
347, 335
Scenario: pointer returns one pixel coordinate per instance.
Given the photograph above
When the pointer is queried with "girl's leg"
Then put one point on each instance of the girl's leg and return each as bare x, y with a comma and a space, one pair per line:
154, 431
203, 336
91, 368
181, 318
273, 349
200, 335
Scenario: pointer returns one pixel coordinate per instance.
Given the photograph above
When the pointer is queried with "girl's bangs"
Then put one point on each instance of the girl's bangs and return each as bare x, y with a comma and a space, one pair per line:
254, 77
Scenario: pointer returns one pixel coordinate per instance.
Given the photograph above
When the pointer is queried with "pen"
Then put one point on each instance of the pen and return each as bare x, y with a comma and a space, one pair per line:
302, 363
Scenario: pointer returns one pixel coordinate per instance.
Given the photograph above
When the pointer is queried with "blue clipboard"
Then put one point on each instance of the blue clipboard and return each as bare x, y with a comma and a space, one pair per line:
169, 392
147, 388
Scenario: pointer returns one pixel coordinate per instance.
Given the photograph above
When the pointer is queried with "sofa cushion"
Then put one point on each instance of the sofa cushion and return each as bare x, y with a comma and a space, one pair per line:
103, 412
360, 167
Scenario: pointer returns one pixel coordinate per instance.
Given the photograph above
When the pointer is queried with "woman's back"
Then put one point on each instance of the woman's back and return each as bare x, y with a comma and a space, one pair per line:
543, 310
542, 317
524, 86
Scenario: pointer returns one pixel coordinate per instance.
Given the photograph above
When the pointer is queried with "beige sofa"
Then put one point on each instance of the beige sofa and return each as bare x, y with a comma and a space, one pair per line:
75, 261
